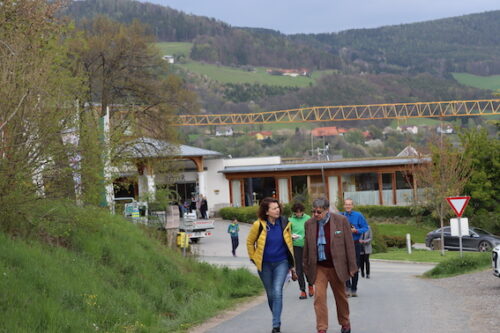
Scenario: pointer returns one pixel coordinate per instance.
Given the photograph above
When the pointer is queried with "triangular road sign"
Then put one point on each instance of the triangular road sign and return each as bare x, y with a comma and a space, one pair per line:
458, 204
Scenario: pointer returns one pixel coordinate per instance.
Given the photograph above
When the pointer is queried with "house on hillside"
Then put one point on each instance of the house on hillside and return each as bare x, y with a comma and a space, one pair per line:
262, 135
409, 129
169, 58
224, 131
289, 72
444, 130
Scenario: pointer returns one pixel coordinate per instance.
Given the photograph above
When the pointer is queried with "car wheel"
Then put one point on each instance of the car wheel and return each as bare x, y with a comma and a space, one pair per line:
431, 246
484, 246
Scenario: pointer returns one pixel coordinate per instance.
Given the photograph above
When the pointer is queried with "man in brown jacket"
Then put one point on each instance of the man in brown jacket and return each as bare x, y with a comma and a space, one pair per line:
329, 257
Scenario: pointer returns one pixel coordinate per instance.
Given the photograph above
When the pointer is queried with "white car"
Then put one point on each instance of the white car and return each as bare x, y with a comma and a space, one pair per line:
495, 256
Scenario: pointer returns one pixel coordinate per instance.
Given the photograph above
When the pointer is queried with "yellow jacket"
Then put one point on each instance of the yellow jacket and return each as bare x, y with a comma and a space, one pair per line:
255, 246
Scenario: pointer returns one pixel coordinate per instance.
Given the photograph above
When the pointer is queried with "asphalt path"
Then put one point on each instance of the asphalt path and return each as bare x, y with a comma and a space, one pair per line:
395, 299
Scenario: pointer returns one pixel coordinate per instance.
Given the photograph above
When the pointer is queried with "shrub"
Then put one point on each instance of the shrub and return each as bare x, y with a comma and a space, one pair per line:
242, 214
455, 266
395, 241
378, 243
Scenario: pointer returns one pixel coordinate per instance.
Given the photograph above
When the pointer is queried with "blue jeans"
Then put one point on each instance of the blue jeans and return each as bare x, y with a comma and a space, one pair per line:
273, 277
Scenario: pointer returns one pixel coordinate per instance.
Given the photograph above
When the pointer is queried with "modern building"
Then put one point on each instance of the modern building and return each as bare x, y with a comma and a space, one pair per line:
245, 181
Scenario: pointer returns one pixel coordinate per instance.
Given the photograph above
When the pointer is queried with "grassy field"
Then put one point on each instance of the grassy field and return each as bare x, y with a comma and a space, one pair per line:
482, 82
176, 48
106, 275
422, 255
417, 233
225, 74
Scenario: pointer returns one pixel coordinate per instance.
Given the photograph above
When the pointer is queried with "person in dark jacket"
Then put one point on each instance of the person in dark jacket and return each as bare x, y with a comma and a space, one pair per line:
329, 258
204, 207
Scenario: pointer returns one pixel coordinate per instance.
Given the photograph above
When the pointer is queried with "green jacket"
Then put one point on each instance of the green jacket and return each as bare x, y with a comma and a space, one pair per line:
298, 228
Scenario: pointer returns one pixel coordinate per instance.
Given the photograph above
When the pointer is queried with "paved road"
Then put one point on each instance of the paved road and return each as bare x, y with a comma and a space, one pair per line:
393, 300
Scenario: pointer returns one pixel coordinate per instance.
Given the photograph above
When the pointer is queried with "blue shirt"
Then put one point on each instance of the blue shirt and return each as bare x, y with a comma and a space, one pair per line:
358, 221
275, 249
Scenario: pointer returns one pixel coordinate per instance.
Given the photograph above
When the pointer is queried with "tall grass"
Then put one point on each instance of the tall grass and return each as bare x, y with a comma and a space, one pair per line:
106, 275
470, 262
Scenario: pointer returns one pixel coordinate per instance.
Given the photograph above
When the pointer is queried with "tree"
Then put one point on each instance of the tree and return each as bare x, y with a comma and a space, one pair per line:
444, 175
36, 104
484, 183
125, 72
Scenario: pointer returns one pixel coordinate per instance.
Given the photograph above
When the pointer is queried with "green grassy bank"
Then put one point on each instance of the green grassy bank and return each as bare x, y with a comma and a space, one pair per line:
71, 269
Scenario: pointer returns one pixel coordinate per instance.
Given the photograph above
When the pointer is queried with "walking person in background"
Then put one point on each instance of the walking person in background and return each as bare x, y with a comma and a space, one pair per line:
203, 207
329, 258
366, 250
298, 219
358, 227
233, 230
270, 248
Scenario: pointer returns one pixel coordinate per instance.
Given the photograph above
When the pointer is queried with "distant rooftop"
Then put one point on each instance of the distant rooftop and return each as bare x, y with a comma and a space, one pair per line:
324, 165
148, 147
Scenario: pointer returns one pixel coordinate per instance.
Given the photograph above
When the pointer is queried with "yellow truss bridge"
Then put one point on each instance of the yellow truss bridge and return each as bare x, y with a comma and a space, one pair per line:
348, 112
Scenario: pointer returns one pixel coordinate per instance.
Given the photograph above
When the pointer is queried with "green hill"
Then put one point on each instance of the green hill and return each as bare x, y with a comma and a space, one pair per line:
481, 82
71, 269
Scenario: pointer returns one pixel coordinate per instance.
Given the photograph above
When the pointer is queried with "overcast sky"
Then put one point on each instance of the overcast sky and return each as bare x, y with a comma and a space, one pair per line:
315, 16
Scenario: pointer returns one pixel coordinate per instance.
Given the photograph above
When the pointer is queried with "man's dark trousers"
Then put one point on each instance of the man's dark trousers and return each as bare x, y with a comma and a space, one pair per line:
353, 282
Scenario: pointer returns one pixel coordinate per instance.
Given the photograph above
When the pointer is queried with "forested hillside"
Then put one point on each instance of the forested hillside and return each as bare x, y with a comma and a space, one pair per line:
469, 43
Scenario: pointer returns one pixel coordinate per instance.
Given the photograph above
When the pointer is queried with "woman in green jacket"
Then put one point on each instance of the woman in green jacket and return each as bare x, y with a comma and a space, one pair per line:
298, 219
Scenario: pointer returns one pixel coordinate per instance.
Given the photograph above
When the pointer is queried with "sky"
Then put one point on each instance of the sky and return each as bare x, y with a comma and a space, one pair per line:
317, 16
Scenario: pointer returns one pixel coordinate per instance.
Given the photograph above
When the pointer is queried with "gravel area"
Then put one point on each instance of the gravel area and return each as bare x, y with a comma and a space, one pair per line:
477, 294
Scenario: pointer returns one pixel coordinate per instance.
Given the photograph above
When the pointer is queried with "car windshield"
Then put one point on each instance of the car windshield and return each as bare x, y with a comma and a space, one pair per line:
481, 231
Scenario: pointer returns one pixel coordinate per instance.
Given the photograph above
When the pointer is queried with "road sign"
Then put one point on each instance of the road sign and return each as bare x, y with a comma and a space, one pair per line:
458, 204
459, 227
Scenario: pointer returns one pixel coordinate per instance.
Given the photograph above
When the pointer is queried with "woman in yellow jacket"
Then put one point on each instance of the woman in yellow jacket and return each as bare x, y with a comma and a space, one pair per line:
270, 248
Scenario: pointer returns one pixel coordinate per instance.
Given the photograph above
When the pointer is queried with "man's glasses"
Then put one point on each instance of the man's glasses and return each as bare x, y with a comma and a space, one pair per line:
317, 211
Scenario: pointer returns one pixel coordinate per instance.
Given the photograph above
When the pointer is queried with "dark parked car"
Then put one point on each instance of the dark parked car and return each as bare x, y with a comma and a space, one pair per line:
477, 240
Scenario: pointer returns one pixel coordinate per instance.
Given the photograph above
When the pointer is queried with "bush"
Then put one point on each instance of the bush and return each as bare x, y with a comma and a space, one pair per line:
489, 221
456, 266
242, 214
395, 241
378, 243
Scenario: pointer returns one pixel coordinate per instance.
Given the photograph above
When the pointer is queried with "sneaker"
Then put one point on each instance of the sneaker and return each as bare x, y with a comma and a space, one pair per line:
302, 295
345, 330
354, 294
275, 330
311, 291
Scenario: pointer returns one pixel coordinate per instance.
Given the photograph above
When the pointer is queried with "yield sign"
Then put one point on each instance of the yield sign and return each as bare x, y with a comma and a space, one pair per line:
458, 204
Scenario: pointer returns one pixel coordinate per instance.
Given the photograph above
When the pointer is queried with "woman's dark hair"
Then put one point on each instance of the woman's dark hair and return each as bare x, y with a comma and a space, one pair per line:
298, 206
264, 207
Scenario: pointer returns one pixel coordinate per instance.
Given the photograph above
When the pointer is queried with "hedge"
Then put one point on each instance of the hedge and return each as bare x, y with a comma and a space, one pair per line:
384, 211
242, 214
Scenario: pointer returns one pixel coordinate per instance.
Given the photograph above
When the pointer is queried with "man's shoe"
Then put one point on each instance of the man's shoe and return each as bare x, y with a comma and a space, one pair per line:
302, 295
275, 330
367, 276
345, 330
311, 291
362, 274
354, 293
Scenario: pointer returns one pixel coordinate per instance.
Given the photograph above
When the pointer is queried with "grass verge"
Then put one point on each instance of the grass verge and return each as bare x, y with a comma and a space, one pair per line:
452, 266
83, 270
417, 232
420, 255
